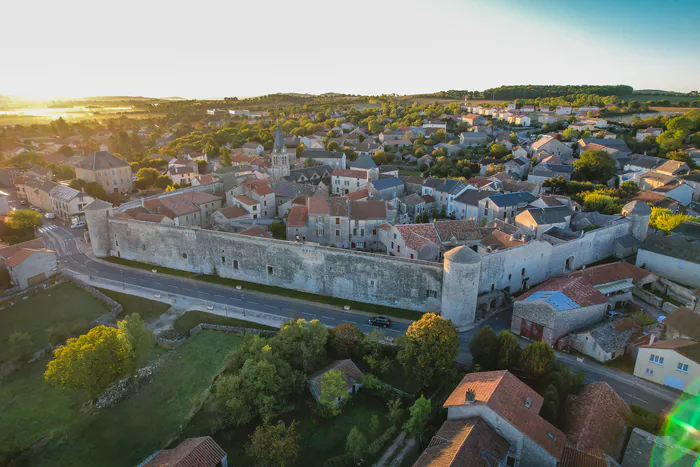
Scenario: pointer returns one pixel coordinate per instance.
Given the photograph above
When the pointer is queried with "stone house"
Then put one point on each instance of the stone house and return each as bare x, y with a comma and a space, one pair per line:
319, 222
550, 145
412, 241
609, 340
352, 374
186, 209
334, 159
37, 193
473, 119
672, 258
540, 220
344, 181
446, 192
388, 188
503, 206
29, 267
510, 408
365, 217
262, 192
466, 205
473, 138
68, 204
674, 363
518, 167
297, 220
365, 164
411, 207
8, 175
543, 172
224, 218
252, 149
103, 167
596, 419
682, 323
414, 184
248, 204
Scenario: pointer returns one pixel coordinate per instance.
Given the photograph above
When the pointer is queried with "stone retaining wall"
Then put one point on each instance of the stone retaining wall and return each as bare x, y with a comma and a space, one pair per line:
169, 344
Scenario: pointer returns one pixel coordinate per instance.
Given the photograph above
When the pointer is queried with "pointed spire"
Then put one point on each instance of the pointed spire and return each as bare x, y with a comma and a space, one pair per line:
279, 139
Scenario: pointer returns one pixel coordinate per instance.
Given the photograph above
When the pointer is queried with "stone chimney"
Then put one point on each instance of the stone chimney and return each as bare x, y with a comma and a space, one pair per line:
652, 338
143, 203
470, 396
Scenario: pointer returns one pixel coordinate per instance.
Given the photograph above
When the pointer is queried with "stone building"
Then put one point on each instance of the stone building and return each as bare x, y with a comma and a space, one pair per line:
103, 167
279, 158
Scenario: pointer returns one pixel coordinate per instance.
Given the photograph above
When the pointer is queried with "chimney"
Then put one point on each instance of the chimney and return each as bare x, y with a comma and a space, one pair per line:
528, 402
652, 338
143, 203
470, 396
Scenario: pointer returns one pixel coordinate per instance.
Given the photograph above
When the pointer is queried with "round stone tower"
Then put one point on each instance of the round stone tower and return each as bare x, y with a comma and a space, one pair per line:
639, 213
96, 214
460, 285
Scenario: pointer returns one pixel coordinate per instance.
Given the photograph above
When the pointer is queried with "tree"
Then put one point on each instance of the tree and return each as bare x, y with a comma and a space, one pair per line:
278, 230
484, 348
345, 338
374, 426
274, 445
334, 390
20, 343
147, 176
429, 347
508, 350
141, 339
664, 220
162, 182
420, 413
23, 219
601, 203
550, 406
570, 134
537, 358
91, 362
394, 411
355, 444
596, 165
302, 343
498, 150
225, 157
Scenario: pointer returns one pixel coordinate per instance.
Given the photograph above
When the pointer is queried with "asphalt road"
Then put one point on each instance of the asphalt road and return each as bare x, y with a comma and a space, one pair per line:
630, 388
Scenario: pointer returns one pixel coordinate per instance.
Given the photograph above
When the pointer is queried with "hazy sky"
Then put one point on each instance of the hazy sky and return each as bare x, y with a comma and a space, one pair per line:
223, 48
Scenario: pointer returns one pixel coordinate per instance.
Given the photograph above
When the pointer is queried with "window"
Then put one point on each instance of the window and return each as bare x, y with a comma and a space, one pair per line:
656, 359
184, 255
493, 287
392, 245
398, 248
394, 236
509, 276
354, 232
682, 367
255, 208
117, 243
337, 233
362, 232
143, 247
522, 272
411, 255
265, 203
269, 270
374, 232
431, 293
337, 220
235, 264
650, 372
223, 260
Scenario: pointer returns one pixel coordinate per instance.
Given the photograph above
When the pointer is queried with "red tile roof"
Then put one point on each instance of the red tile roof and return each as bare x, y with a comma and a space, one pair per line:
595, 418
245, 199
576, 288
233, 212
506, 395
349, 173
416, 236
298, 216
357, 195
192, 452
462, 443
22, 255
612, 272
36, 244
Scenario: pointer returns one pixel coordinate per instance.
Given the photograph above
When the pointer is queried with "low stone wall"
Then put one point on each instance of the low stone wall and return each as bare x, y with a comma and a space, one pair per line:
116, 308
647, 297
676, 291
669, 308
232, 329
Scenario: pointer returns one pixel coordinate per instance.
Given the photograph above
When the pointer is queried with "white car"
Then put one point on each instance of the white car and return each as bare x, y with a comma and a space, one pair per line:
50, 215
78, 225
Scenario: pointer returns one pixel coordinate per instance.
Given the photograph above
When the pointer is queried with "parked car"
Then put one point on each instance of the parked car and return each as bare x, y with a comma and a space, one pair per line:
50, 215
381, 321
78, 225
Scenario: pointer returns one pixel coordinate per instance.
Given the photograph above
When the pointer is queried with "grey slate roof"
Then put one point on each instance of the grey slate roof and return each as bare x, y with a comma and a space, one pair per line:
386, 183
512, 199
450, 186
609, 338
553, 215
472, 197
321, 154
690, 230
556, 168
645, 449
585, 219
618, 144
101, 160
673, 247
363, 161
432, 182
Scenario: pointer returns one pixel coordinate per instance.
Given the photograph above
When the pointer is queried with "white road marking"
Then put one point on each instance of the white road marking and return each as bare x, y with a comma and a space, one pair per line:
635, 397
393, 330
346, 321
254, 303
217, 295
307, 313
270, 306
288, 309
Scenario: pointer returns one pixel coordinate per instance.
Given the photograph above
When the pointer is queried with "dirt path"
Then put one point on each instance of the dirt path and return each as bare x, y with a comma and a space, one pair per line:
408, 447
384, 460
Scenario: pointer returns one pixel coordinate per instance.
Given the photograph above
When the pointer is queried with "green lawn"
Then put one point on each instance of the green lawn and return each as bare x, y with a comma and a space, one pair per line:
148, 309
624, 363
190, 319
320, 438
368, 307
671, 98
148, 267
65, 308
33, 412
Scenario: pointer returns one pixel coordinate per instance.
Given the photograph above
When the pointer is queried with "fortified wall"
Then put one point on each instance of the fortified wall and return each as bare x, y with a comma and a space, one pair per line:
452, 288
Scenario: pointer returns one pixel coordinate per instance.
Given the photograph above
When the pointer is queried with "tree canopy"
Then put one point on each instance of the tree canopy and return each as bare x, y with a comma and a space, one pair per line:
595, 165
274, 445
22, 219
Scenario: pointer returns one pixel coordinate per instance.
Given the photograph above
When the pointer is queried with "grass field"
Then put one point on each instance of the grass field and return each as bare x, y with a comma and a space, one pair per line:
646, 97
65, 308
148, 309
33, 412
190, 319
376, 309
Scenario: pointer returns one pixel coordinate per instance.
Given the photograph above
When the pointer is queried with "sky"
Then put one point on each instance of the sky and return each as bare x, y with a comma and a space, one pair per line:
213, 49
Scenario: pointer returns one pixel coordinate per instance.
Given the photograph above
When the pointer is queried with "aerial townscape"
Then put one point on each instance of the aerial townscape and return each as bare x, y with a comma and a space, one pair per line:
496, 275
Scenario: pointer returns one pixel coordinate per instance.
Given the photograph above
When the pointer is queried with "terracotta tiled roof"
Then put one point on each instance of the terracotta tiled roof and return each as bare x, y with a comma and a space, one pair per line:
595, 418
572, 457
575, 288
479, 182
319, 207
368, 209
255, 231
339, 207
351, 372
233, 212
506, 395
36, 244
462, 443
428, 198
684, 320
461, 230
179, 204
612, 272
498, 240
384, 226
416, 236
298, 216
357, 195
22, 255
686, 347
349, 173
245, 199
193, 452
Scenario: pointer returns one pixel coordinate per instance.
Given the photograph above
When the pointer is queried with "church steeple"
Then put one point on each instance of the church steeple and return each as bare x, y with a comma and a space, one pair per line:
279, 140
